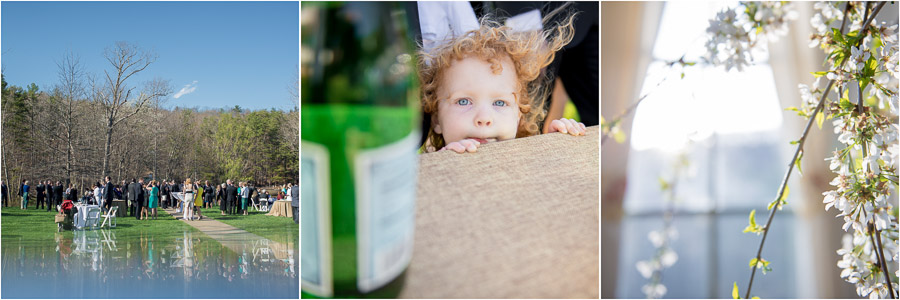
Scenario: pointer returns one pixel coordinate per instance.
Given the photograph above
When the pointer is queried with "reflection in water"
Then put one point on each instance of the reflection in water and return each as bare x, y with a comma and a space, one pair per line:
95, 264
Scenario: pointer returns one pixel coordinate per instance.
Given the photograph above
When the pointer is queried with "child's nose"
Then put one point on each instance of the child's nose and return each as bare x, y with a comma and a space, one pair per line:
483, 119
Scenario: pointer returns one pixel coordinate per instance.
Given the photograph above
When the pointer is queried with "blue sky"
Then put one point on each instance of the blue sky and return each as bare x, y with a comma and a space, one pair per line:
226, 53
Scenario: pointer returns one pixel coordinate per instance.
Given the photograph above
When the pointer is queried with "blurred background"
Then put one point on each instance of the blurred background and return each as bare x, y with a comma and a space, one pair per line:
734, 131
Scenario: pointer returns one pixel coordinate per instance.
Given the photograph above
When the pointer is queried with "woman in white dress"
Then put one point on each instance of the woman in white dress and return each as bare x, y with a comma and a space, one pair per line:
188, 201
97, 195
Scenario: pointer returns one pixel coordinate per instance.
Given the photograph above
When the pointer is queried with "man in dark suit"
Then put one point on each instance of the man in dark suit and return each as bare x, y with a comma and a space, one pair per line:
230, 197
110, 193
40, 195
295, 202
134, 191
4, 192
164, 194
57, 194
48, 188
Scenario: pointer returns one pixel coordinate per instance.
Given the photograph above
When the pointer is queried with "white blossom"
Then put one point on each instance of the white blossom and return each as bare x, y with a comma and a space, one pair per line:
733, 35
645, 268
858, 58
654, 291
668, 258
828, 10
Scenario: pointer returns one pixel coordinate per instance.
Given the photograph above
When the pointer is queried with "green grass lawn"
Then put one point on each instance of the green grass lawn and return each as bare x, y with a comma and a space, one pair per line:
37, 224
34, 224
279, 229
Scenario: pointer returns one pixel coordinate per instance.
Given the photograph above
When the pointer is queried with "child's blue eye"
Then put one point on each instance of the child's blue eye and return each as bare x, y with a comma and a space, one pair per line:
499, 103
464, 101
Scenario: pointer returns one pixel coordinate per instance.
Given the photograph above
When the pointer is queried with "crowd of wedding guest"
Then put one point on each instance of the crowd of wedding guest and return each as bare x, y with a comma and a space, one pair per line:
143, 198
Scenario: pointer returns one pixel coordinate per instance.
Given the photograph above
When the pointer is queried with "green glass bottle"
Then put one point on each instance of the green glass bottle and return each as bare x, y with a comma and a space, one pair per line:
360, 135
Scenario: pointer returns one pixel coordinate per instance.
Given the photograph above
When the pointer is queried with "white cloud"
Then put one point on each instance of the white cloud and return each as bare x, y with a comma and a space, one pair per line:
187, 89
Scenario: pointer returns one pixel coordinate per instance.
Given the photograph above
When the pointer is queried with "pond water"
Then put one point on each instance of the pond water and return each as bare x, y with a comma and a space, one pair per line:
189, 264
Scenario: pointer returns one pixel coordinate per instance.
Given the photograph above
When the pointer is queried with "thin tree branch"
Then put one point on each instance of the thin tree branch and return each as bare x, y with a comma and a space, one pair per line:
800, 143
633, 106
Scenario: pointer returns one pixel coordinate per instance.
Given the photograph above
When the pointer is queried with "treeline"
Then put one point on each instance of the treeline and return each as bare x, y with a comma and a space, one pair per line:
79, 131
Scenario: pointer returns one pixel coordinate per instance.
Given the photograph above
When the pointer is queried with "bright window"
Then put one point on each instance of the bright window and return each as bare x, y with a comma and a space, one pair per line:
733, 120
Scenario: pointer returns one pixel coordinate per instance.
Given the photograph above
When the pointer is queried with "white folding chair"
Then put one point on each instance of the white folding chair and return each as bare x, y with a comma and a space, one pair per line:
93, 217
109, 219
256, 204
264, 204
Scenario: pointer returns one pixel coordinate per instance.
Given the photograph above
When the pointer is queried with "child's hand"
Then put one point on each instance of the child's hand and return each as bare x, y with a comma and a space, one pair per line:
462, 146
567, 126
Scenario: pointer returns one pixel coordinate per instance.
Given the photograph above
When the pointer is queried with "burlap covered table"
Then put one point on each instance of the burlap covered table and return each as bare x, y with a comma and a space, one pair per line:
517, 219
281, 208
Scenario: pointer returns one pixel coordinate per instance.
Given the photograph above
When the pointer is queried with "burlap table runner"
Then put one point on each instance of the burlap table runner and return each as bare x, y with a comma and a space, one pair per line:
517, 219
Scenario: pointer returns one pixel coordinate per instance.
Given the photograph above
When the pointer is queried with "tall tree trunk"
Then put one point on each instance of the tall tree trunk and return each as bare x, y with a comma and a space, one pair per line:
5, 167
69, 146
32, 143
109, 132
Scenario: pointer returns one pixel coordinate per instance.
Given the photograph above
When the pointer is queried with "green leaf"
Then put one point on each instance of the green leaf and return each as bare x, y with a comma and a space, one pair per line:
753, 262
836, 34
871, 65
839, 56
663, 185
795, 142
820, 118
787, 191
819, 74
759, 30
682, 75
797, 162
781, 201
753, 227
876, 41
734, 292
846, 104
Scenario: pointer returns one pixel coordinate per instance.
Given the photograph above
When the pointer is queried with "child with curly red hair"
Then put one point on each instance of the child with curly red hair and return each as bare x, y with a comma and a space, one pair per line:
490, 85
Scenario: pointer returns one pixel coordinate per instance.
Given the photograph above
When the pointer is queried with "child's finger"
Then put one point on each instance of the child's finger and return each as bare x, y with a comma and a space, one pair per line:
558, 125
579, 127
470, 145
570, 127
456, 147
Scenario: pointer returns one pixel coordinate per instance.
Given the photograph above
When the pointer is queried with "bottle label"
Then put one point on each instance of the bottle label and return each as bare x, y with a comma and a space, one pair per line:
385, 208
315, 214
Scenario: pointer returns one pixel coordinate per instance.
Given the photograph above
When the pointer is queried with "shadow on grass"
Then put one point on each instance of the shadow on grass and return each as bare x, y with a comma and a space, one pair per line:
11, 215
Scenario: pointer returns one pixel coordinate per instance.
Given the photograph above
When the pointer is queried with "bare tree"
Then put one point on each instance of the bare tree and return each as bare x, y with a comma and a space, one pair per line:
116, 97
71, 88
291, 130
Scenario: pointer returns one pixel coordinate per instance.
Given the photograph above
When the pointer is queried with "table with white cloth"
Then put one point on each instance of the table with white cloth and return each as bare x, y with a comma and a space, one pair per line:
81, 215
281, 208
